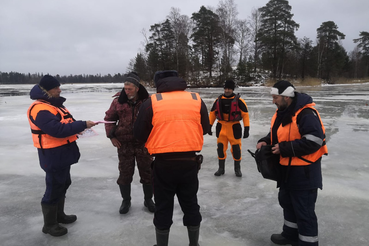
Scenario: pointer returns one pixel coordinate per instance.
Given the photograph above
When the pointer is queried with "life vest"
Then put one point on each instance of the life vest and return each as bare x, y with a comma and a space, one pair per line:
42, 140
176, 123
234, 113
291, 132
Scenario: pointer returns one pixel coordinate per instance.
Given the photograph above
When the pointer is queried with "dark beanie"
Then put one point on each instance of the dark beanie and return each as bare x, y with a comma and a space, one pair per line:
133, 78
283, 88
163, 74
48, 82
229, 84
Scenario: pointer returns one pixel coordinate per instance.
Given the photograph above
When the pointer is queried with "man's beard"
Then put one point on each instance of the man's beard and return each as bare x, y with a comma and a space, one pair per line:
282, 107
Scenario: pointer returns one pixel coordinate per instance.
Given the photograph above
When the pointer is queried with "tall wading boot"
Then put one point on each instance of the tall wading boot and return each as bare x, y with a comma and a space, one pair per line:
147, 189
162, 237
125, 191
221, 168
61, 216
51, 226
193, 235
237, 168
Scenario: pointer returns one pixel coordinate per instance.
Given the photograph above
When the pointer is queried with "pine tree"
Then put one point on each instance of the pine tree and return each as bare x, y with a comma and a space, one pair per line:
277, 34
206, 38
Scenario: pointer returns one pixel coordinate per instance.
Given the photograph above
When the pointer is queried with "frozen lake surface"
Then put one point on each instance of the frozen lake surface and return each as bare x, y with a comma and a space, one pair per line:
236, 211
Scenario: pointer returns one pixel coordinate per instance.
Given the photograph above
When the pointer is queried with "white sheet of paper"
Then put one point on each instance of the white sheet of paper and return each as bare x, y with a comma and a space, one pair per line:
103, 121
89, 132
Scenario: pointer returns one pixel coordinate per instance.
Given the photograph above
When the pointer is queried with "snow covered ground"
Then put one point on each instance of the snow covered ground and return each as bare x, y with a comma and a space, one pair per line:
236, 211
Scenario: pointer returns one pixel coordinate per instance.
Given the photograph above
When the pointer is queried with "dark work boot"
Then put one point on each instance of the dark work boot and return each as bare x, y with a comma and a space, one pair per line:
162, 237
221, 168
125, 191
237, 168
281, 240
51, 226
147, 189
62, 217
193, 235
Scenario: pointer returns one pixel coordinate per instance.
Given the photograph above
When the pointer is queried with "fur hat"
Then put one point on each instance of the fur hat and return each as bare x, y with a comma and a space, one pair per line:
283, 88
229, 84
163, 74
133, 78
48, 82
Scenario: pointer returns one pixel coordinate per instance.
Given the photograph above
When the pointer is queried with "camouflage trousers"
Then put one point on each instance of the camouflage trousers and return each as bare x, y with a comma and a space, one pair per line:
129, 154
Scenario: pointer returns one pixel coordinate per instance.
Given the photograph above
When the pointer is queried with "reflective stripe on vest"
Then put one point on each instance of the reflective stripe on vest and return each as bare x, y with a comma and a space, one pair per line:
42, 140
291, 132
234, 113
176, 123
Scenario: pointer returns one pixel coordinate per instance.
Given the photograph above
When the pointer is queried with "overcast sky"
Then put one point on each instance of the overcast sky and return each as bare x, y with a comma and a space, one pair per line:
101, 36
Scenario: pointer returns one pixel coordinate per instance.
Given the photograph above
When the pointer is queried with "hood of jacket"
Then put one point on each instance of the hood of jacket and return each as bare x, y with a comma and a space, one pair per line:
37, 93
168, 84
301, 100
142, 95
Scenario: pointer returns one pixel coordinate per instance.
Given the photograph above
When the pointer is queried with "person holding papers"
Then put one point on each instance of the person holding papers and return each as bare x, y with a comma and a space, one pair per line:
54, 134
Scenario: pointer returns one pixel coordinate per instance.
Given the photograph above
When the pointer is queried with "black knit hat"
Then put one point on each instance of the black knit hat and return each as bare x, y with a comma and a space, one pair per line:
283, 88
229, 84
133, 78
163, 74
48, 82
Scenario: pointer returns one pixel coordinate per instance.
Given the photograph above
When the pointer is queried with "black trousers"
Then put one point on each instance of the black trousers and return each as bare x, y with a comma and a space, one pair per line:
300, 220
176, 177
57, 184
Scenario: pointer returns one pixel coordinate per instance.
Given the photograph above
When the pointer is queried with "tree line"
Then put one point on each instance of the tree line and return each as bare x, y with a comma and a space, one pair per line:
21, 78
213, 45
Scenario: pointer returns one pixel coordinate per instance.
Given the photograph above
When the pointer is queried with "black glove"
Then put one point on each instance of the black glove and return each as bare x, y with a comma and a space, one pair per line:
246, 132
210, 133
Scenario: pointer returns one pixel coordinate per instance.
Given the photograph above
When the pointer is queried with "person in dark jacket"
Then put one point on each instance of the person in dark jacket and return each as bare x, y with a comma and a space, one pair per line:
229, 109
54, 134
123, 110
172, 123
298, 137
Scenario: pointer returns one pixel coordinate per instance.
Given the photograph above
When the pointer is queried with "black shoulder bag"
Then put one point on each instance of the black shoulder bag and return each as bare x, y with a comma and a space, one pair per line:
266, 162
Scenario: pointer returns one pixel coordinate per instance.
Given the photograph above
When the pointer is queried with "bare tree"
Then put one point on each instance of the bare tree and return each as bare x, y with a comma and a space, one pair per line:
242, 39
181, 25
254, 26
227, 12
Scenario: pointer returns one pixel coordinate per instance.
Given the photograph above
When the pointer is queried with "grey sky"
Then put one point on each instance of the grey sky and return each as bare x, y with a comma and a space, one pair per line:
100, 37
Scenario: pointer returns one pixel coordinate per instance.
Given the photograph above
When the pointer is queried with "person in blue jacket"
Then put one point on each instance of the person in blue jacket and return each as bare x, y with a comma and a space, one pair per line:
54, 133
297, 135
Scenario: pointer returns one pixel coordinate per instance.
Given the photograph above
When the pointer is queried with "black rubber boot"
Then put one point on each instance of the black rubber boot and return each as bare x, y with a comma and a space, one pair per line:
147, 189
193, 235
125, 191
281, 240
51, 226
237, 168
61, 216
162, 237
221, 168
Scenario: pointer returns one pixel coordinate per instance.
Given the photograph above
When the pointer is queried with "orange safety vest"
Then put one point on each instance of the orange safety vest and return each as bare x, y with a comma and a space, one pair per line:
291, 132
176, 123
42, 140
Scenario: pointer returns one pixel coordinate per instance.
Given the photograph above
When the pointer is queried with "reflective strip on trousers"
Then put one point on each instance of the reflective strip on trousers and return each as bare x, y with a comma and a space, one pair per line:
290, 224
308, 239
